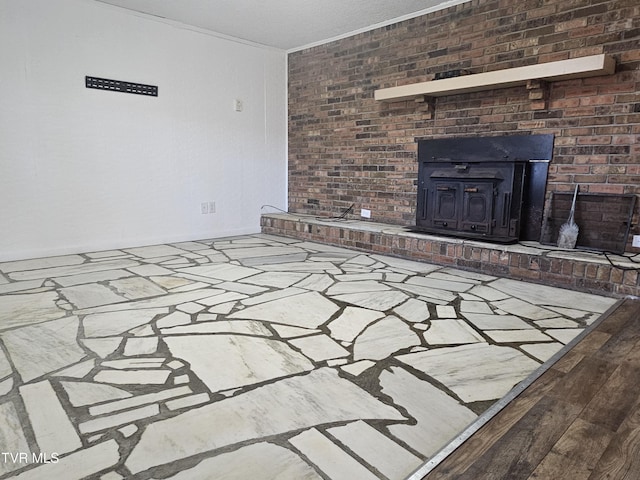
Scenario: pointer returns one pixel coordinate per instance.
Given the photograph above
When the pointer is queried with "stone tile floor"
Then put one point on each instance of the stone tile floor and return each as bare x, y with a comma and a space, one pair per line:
258, 357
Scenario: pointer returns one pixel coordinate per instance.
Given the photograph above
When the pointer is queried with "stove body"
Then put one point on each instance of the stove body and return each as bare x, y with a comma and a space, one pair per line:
475, 187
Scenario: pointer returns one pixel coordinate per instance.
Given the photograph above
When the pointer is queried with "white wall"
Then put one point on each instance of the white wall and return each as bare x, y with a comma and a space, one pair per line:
84, 170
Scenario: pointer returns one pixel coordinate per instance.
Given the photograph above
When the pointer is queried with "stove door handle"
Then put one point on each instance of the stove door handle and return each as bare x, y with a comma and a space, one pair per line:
425, 195
506, 208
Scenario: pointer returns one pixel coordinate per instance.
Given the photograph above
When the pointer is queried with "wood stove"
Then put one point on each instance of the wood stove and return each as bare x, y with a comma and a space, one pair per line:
476, 187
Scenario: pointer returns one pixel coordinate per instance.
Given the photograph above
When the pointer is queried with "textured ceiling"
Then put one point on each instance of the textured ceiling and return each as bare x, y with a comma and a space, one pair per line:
284, 24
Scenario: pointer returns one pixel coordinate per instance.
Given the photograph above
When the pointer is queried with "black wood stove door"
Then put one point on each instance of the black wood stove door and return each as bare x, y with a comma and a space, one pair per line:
445, 206
478, 205
460, 206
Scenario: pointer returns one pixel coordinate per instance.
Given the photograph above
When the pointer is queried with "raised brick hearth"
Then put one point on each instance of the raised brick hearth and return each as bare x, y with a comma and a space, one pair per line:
530, 261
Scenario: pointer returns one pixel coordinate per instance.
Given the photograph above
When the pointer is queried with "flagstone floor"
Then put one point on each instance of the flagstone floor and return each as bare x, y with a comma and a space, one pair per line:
258, 357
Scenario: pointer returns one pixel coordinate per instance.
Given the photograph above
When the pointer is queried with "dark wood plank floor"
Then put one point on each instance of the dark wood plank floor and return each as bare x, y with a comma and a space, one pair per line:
580, 420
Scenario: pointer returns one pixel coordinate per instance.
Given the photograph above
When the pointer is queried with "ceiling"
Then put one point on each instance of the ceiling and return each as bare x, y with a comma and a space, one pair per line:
285, 24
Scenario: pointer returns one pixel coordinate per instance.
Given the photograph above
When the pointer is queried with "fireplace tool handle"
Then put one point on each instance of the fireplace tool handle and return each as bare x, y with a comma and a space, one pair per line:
568, 235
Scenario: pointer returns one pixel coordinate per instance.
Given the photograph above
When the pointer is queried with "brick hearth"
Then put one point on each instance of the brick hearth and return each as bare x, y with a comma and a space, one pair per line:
530, 261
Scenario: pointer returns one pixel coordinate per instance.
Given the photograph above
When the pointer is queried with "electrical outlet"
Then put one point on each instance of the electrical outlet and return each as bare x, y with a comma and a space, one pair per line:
364, 213
238, 106
636, 241
204, 208
212, 207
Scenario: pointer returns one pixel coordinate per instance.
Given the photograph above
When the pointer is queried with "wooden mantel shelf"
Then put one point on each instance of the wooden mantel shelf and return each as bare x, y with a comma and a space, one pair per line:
582, 67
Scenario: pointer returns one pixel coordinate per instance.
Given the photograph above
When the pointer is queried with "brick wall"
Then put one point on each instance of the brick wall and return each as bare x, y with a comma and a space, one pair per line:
345, 148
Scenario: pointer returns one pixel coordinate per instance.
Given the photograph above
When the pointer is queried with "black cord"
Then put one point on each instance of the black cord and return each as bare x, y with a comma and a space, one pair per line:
621, 267
342, 216
604, 253
276, 208
345, 213
534, 246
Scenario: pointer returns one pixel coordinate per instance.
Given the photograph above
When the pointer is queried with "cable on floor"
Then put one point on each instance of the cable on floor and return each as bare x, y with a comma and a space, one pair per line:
342, 216
605, 253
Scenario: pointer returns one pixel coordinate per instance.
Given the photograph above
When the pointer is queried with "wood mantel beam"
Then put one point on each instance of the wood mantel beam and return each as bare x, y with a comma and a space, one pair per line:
581, 67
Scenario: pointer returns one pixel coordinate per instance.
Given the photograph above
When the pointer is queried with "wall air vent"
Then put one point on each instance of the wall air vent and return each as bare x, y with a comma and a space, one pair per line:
120, 86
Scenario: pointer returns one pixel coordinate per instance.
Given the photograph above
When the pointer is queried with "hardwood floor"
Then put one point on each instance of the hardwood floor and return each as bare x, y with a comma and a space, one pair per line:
580, 420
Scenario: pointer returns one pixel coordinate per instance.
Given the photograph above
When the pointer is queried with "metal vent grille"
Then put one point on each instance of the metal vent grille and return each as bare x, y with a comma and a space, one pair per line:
120, 86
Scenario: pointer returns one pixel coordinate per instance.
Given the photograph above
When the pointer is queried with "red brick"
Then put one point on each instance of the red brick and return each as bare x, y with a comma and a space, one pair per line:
630, 278
524, 273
